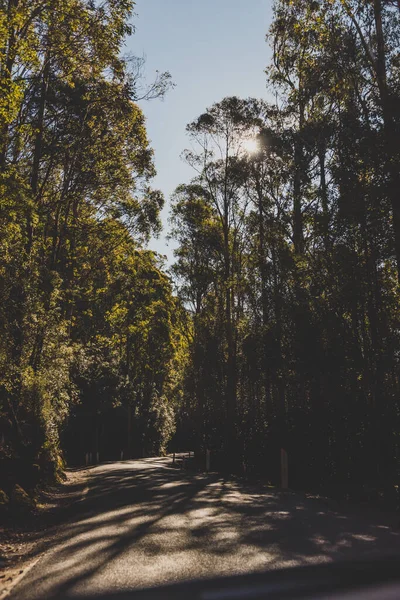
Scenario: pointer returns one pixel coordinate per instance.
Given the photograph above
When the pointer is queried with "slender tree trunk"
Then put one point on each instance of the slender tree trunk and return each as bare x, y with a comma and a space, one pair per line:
300, 305
6, 75
390, 130
38, 147
324, 199
281, 405
264, 297
231, 372
298, 234
129, 438
231, 375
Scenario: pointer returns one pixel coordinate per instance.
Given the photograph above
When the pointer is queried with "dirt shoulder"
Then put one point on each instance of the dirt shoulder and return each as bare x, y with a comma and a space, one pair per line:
23, 541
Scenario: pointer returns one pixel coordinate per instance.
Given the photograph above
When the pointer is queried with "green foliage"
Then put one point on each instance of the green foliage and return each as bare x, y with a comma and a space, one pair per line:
20, 500
4, 499
87, 318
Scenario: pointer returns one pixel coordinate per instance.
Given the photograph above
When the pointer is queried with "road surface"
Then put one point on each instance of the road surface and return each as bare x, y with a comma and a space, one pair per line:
144, 523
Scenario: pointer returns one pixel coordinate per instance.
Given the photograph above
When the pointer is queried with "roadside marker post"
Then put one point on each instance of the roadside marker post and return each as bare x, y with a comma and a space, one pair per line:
207, 461
86, 459
173, 458
284, 470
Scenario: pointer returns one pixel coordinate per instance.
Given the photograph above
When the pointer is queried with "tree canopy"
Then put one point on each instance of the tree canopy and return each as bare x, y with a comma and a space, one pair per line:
288, 256
89, 323
277, 325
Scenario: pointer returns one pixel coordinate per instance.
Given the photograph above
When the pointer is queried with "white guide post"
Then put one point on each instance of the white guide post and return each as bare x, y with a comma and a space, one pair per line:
207, 460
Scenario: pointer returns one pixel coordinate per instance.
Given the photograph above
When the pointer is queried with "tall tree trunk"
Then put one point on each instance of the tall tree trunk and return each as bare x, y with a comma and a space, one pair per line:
300, 304
281, 404
231, 376
264, 297
6, 76
298, 234
38, 147
129, 440
390, 129
324, 198
231, 372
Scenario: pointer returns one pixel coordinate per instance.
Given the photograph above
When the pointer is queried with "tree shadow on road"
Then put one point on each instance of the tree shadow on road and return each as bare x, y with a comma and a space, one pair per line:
143, 523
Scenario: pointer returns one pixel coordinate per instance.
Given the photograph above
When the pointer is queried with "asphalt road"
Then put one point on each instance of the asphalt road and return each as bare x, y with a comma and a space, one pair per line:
144, 523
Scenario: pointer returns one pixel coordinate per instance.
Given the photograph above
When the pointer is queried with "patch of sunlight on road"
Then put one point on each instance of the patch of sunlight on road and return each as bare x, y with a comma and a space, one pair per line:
320, 540
281, 515
68, 562
169, 523
363, 537
223, 535
174, 484
237, 496
113, 517
202, 514
344, 543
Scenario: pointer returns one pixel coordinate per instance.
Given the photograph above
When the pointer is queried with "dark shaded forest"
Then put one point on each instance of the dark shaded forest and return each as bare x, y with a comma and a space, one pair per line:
278, 324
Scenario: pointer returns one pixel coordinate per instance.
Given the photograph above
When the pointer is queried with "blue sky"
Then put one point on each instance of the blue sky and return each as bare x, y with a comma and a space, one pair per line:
213, 49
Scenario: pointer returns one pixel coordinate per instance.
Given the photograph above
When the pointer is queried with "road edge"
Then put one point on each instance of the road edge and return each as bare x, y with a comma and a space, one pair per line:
5, 593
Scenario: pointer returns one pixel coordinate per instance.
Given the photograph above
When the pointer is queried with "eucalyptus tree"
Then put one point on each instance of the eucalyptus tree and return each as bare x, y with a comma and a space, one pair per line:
335, 64
268, 233
219, 138
289, 250
75, 181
